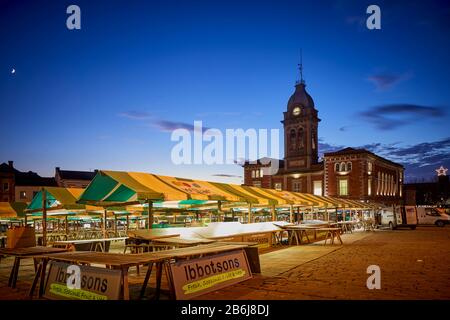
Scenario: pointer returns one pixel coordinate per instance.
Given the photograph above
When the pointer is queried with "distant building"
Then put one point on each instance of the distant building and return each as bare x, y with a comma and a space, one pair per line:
73, 179
429, 193
17, 186
7, 182
350, 173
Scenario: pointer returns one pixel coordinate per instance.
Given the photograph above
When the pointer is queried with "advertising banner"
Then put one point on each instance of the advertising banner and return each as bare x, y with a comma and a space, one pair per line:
195, 277
94, 283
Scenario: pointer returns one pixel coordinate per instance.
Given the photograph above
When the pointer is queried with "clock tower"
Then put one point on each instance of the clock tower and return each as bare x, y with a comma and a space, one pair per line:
300, 130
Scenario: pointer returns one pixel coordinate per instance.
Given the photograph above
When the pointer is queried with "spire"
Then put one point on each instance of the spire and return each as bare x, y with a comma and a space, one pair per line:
300, 68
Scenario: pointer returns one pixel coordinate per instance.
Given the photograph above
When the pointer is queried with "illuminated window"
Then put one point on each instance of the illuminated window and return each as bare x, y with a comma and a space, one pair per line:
343, 187
369, 166
369, 186
317, 187
23, 194
261, 173
278, 186
296, 186
349, 166
253, 174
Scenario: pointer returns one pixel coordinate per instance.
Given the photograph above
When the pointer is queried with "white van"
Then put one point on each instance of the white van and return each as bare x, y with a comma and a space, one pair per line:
399, 216
430, 215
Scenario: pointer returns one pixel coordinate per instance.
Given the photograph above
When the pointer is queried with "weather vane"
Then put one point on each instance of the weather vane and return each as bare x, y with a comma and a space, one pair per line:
300, 68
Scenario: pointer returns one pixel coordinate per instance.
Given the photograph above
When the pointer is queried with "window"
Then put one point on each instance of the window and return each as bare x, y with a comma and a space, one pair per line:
342, 167
278, 186
349, 166
5, 186
296, 186
317, 188
257, 174
261, 173
369, 166
253, 174
23, 194
336, 167
431, 212
257, 184
343, 187
369, 186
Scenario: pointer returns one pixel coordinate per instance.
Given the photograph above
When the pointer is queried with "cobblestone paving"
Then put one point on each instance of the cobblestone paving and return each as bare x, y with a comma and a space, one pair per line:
414, 265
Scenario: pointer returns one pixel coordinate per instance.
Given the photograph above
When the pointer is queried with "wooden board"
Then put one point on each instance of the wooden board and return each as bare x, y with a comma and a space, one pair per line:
195, 277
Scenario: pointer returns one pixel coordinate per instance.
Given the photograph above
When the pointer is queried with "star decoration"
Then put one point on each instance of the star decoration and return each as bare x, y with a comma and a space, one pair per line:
442, 171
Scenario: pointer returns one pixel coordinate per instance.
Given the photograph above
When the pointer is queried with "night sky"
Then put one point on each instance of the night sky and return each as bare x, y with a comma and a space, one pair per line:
108, 95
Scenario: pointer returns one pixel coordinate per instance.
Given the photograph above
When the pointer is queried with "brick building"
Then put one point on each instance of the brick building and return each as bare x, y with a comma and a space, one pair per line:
73, 179
351, 173
18, 186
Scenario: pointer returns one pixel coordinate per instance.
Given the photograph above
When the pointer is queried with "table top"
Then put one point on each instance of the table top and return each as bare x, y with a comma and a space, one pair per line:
176, 240
89, 240
152, 234
302, 227
121, 260
30, 251
201, 250
328, 229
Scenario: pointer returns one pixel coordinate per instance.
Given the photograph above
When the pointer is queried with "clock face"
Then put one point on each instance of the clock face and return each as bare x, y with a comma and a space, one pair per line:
296, 111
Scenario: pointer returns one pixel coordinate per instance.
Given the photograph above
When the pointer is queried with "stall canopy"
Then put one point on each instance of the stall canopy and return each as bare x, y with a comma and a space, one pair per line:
109, 188
12, 210
59, 199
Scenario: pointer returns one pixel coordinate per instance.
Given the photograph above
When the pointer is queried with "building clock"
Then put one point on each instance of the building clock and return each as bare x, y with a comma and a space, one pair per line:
296, 111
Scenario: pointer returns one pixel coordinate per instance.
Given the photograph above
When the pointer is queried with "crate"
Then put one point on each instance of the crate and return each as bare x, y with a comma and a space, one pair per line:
20, 237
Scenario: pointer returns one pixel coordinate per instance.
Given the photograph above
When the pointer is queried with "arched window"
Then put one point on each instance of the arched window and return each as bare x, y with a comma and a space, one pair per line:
292, 139
300, 138
342, 168
349, 166
336, 167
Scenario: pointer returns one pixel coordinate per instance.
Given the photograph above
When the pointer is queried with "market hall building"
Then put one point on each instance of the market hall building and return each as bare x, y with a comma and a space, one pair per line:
357, 174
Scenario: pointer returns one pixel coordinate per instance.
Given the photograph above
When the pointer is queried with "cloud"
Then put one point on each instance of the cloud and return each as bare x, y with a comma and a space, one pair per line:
226, 175
385, 81
420, 160
169, 126
392, 116
160, 124
136, 115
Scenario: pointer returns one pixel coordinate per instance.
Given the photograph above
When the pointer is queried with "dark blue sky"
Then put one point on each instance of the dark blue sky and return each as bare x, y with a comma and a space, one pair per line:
105, 96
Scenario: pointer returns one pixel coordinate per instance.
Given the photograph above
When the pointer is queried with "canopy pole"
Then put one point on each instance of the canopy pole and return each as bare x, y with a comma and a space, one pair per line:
327, 213
67, 224
219, 210
273, 211
115, 225
249, 213
150, 214
44, 217
128, 222
104, 223
291, 213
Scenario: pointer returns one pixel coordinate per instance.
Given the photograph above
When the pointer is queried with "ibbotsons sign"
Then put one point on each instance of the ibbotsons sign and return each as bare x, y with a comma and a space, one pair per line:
94, 283
195, 277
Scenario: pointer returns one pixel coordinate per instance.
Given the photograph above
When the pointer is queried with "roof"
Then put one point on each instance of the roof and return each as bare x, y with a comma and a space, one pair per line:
33, 179
349, 150
300, 97
4, 167
76, 175
112, 187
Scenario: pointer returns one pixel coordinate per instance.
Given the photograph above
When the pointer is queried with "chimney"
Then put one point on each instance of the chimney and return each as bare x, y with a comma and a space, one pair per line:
11, 164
